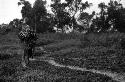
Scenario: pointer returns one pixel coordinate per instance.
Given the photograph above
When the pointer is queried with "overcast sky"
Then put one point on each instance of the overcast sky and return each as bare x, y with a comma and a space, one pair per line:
10, 10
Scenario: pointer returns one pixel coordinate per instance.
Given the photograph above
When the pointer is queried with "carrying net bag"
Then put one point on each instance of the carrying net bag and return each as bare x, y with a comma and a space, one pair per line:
23, 34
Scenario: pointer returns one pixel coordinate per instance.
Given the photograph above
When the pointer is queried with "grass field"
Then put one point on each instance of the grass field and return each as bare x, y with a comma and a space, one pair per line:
93, 51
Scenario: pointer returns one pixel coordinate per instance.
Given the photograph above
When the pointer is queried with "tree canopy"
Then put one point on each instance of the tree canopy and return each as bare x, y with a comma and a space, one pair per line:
64, 14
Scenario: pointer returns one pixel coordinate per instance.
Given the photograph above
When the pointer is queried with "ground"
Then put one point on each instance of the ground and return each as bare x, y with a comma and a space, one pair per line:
68, 58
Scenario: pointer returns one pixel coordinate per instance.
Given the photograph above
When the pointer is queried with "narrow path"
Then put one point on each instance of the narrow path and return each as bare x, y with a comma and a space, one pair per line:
115, 76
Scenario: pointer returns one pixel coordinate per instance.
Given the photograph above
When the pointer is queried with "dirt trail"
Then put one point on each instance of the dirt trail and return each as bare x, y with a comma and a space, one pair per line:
115, 76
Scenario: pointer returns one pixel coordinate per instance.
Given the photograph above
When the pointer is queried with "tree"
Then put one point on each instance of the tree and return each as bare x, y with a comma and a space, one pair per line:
73, 7
116, 15
84, 21
39, 13
103, 22
26, 10
112, 16
15, 25
35, 14
61, 17
65, 12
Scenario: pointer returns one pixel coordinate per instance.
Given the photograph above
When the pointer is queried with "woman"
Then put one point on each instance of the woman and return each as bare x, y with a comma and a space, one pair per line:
27, 38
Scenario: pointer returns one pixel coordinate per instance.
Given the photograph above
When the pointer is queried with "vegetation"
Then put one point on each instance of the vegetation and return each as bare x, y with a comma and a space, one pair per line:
66, 49
111, 17
99, 49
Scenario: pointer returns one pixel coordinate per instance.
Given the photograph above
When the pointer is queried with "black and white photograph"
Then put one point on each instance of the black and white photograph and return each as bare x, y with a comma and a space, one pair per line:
62, 40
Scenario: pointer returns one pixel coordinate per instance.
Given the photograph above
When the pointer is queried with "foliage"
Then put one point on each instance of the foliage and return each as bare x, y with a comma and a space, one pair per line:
39, 12
65, 12
116, 15
73, 7
84, 22
4, 29
111, 17
61, 17
102, 22
26, 8
35, 14
15, 25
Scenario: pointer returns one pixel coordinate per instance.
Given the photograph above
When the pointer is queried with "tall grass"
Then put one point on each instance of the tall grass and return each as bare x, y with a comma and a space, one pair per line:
87, 40
60, 36
103, 39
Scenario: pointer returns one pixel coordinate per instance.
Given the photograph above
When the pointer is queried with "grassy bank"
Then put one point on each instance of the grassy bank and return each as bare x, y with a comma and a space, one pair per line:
99, 51
93, 51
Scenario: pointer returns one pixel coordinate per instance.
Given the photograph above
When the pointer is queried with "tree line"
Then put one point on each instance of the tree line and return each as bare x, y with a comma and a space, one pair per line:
111, 16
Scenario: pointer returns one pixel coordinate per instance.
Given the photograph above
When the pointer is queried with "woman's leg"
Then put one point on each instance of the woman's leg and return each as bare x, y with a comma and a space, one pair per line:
25, 57
31, 51
31, 54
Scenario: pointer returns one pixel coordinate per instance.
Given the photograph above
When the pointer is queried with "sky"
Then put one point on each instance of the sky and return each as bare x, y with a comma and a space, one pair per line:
10, 10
